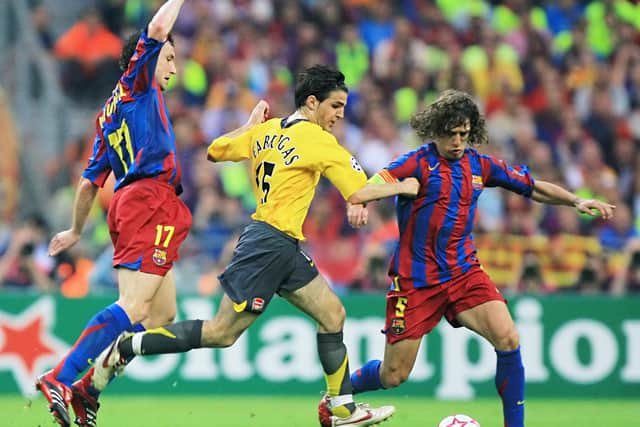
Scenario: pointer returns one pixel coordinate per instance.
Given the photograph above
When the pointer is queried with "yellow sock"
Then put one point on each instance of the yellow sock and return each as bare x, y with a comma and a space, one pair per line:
334, 381
341, 411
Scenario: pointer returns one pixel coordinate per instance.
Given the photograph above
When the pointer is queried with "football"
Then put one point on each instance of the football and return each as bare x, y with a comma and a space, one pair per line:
459, 420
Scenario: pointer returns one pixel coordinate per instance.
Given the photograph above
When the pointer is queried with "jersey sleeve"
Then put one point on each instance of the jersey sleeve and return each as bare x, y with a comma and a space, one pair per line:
140, 74
405, 166
99, 168
232, 149
342, 169
497, 173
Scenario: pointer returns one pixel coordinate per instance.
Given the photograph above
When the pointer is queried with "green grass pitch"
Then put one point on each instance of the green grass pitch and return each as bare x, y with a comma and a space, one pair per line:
262, 411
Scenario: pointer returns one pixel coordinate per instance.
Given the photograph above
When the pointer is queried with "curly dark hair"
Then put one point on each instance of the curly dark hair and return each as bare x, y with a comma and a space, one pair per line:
129, 49
452, 109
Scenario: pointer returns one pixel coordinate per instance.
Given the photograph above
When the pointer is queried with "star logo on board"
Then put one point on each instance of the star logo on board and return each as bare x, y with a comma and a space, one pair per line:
27, 345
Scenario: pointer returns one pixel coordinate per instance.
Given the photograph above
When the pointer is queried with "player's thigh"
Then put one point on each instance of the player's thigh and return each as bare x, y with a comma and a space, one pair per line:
399, 358
493, 321
137, 290
163, 304
318, 301
227, 325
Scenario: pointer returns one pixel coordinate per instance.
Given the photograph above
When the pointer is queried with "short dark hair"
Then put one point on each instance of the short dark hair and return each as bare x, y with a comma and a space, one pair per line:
319, 81
452, 109
129, 49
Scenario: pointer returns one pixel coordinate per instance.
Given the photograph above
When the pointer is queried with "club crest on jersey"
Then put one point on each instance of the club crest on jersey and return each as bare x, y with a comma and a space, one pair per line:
257, 305
476, 182
159, 256
397, 326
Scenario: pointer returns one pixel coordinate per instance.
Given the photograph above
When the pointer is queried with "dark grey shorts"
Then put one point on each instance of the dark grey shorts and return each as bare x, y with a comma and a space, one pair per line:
265, 261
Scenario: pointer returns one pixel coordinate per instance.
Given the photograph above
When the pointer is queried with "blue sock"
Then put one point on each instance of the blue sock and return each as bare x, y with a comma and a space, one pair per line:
510, 385
137, 328
367, 378
101, 330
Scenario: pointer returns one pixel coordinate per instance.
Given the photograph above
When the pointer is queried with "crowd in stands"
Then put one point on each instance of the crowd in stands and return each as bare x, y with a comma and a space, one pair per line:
558, 82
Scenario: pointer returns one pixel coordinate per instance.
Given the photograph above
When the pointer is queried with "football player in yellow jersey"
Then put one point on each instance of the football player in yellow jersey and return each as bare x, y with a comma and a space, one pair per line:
288, 156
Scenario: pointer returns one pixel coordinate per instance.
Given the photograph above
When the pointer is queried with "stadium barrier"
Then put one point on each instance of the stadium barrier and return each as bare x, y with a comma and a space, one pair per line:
583, 346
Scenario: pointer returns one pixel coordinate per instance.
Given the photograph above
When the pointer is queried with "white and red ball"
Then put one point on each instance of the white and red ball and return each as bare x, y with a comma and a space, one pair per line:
459, 420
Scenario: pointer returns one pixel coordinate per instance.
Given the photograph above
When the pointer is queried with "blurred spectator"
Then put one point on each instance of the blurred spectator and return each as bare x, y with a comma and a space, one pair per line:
615, 234
593, 277
352, 56
531, 278
89, 55
24, 263
377, 25
9, 164
40, 20
628, 277
393, 57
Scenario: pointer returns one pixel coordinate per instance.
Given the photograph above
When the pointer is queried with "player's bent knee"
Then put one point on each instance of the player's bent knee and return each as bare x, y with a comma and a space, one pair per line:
508, 341
160, 319
393, 378
169, 317
333, 320
137, 313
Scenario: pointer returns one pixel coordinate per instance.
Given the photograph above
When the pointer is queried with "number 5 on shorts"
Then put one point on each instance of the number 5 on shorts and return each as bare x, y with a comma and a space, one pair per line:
401, 306
160, 230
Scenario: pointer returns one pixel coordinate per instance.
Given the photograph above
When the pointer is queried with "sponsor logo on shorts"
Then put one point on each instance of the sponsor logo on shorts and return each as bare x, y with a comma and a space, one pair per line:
239, 308
159, 256
397, 326
257, 305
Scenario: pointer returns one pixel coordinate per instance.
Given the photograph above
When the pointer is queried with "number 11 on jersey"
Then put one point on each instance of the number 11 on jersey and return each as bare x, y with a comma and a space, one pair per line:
262, 182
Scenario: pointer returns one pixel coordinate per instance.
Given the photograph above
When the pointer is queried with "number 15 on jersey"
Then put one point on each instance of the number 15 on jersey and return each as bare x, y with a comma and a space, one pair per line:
264, 171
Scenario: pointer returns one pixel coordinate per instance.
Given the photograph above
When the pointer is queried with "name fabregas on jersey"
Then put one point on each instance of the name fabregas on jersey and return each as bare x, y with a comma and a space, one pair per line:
270, 143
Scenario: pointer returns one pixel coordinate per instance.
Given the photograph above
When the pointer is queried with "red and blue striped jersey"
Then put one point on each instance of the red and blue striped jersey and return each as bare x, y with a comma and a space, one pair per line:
436, 244
134, 137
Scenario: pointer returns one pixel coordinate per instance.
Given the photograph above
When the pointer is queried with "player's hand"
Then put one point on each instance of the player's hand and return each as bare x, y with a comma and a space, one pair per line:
260, 113
411, 186
593, 207
357, 214
62, 241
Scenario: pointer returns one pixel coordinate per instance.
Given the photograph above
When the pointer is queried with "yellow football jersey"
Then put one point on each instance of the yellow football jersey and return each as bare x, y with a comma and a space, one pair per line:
286, 165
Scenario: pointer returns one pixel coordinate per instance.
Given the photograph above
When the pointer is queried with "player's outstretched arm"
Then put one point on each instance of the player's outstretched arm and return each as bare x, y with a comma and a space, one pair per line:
85, 195
549, 193
377, 188
162, 22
